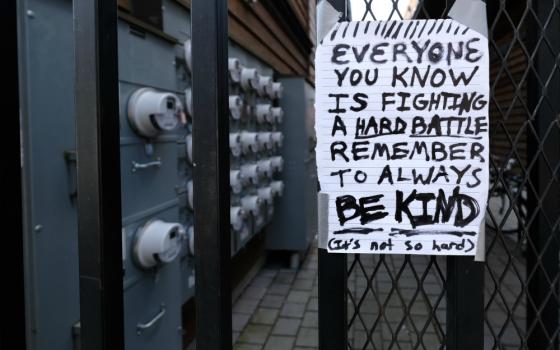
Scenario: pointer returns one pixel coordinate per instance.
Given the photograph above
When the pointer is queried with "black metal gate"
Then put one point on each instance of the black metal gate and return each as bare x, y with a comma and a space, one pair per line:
512, 300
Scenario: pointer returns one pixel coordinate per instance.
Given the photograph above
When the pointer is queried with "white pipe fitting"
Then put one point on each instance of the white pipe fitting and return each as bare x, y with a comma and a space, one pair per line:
277, 138
188, 53
234, 68
235, 106
265, 168
188, 148
277, 163
252, 204
277, 90
190, 197
277, 115
236, 217
266, 194
263, 112
235, 181
277, 188
190, 239
265, 140
264, 87
235, 144
157, 242
249, 142
250, 173
249, 79
151, 112
189, 102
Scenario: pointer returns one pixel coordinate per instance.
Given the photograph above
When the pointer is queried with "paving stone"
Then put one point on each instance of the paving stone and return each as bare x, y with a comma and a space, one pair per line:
293, 310
241, 346
262, 282
298, 296
268, 272
306, 274
279, 288
313, 304
286, 277
272, 301
254, 292
255, 334
310, 319
245, 306
234, 336
308, 337
303, 284
239, 321
279, 343
265, 316
286, 326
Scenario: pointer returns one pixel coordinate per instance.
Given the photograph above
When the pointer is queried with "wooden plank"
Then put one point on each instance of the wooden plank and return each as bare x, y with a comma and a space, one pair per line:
255, 23
243, 37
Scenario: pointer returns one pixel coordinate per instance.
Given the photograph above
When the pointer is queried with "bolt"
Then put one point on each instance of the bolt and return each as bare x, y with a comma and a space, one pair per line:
30, 14
38, 228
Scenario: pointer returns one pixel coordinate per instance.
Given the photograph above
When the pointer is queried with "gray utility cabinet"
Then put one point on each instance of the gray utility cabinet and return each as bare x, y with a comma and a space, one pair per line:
294, 223
157, 188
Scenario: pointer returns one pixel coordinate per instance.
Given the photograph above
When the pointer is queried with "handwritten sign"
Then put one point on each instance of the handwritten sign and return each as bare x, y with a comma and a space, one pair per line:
402, 131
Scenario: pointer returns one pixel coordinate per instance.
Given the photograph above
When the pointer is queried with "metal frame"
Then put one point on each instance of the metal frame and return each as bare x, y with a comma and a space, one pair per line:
13, 320
542, 254
211, 174
98, 174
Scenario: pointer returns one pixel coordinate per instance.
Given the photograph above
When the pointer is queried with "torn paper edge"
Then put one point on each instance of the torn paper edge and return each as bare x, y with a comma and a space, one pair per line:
471, 13
327, 17
323, 222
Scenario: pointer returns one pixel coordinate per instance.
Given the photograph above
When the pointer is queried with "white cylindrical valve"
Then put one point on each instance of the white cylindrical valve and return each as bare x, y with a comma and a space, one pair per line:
277, 90
266, 194
234, 68
250, 173
235, 144
235, 106
264, 86
265, 167
151, 112
277, 187
236, 217
263, 112
235, 181
157, 242
277, 115
277, 138
277, 163
252, 204
265, 140
190, 197
189, 102
188, 53
249, 142
249, 79
190, 239
188, 148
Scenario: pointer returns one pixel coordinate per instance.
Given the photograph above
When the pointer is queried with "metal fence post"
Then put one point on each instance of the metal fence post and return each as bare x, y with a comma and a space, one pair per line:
544, 201
333, 328
211, 174
465, 303
13, 320
98, 174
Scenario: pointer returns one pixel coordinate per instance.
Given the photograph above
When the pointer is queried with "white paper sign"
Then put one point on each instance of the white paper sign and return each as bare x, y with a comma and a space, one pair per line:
402, 130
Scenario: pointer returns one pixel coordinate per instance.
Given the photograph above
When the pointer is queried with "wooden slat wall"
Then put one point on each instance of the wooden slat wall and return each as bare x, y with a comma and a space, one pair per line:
259, 31
508, 108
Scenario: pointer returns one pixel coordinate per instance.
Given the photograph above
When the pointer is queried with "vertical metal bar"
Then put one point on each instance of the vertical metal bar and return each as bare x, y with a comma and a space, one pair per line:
333, 318
13, 320
544, 202
211, 174
98, 174
465, 303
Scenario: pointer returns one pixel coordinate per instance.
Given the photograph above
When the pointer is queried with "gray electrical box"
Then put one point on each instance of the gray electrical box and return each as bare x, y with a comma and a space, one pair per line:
156, 170
294, 223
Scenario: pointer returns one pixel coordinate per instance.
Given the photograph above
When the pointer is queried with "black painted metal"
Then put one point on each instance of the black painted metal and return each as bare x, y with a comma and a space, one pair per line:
465, 304
211, 174
98, 174
543, 270
332, 268
12, 333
